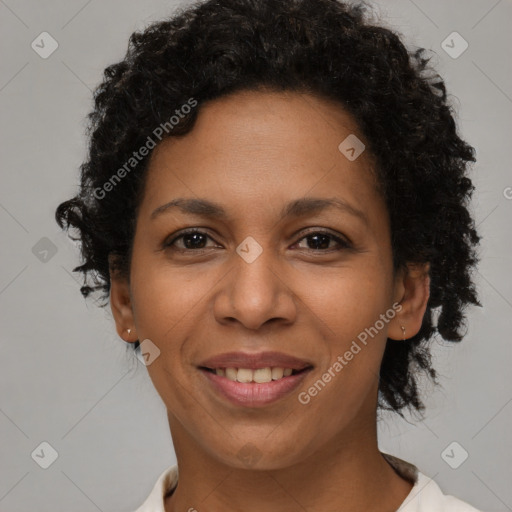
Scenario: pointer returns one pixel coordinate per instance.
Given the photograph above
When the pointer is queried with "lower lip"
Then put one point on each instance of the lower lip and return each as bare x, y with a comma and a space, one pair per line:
253, 394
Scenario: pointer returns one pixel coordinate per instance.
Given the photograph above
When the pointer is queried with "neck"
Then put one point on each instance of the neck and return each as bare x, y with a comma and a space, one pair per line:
348, 474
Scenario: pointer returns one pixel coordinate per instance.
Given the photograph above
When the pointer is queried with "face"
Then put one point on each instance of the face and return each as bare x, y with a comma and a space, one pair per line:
270, 279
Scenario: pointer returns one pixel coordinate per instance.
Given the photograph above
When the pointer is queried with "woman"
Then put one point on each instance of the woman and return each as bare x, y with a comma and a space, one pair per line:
275, 206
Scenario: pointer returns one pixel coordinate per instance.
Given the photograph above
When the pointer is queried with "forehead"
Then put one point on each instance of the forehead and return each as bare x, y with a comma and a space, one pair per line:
253, 146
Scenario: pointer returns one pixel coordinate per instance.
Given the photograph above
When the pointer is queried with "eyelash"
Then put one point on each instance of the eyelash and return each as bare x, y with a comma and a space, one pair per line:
343, 244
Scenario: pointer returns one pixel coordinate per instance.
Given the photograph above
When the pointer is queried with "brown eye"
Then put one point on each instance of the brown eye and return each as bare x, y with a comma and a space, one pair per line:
192, 239
321, 240
317, 241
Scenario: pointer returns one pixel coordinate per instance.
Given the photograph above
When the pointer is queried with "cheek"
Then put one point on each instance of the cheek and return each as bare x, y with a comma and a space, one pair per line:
353, 309
165, 298
349, 301
167, 303
347, 382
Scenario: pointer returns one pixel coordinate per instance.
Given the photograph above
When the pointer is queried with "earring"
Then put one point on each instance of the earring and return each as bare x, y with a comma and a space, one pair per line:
403, 332
129, 331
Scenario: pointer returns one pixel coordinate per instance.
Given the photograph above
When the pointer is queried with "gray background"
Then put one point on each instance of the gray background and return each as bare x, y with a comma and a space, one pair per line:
66, 377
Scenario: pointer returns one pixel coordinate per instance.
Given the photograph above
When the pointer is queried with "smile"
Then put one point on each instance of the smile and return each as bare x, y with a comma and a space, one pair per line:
253, 387
259, 375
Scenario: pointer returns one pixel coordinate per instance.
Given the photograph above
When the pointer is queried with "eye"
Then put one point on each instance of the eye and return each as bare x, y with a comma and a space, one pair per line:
193, 239
320, 241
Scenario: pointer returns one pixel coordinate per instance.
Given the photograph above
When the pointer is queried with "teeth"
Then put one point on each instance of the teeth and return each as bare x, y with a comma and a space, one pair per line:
259, 375
244, 375
231, 373
277, 373
262, 375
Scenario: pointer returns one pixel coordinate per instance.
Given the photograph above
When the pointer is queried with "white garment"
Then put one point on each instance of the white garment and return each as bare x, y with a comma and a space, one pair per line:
425, 496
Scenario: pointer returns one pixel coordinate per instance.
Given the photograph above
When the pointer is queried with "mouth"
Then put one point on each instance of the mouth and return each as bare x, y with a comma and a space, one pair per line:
254, 380
258, 375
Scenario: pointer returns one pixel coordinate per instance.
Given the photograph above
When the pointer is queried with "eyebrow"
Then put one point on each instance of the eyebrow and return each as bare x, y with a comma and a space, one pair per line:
297, 208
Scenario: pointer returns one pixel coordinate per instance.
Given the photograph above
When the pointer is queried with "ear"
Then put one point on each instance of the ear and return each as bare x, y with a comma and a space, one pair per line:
121, 304
412, 291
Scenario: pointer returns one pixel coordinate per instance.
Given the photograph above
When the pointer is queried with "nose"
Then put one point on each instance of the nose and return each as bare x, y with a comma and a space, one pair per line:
255, 293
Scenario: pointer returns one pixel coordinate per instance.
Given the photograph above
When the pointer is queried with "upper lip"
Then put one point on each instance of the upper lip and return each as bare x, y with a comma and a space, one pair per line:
255, 361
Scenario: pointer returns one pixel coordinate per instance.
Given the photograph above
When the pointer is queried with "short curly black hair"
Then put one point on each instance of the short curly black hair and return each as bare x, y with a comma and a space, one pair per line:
323, 47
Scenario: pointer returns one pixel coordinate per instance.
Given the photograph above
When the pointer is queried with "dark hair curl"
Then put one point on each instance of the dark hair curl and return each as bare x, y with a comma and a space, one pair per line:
323, 47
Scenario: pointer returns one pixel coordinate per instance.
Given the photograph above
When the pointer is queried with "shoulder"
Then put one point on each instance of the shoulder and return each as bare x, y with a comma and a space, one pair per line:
164, 485
426, 495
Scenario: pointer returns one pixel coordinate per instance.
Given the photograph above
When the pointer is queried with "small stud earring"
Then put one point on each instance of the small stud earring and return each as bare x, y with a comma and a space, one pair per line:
403, 332
129, 331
